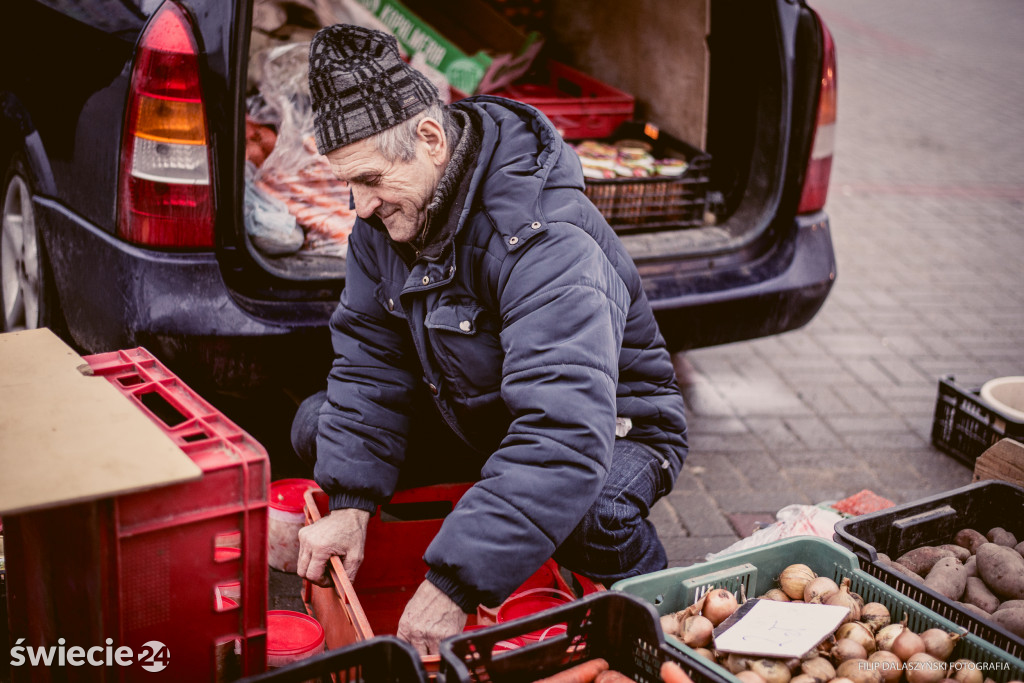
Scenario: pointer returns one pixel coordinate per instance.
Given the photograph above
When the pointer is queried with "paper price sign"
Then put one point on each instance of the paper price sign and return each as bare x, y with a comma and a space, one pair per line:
777, 629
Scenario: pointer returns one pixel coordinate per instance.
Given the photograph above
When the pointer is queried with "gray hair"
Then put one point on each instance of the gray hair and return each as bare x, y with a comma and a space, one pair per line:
398, 143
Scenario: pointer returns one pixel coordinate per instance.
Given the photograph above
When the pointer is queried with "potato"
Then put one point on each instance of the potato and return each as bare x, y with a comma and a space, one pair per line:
1001, 536
959, 552
1002, 570
900, 569
971, 565
948, 577
921, 560
1019, 548
1010, 619
977, 593
970, 539
972, 609
1011, 604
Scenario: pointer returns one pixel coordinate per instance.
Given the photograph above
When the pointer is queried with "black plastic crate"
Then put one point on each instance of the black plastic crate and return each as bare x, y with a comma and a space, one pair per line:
965, 426
621, 628
935, 521
657, 202
382, 659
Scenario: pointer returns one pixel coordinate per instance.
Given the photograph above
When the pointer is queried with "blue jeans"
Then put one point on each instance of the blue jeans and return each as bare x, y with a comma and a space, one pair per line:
613, 541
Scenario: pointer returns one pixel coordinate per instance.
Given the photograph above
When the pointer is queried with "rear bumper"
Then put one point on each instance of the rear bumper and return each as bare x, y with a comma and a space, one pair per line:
174, 304
778, 292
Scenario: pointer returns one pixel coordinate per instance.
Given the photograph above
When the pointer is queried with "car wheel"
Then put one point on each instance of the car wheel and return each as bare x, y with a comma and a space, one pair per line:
26, 285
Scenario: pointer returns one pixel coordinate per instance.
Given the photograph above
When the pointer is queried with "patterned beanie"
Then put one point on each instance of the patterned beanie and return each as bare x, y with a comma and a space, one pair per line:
360, 85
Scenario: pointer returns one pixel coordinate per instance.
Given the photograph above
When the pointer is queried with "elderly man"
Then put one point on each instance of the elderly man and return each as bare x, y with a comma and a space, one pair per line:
493, 325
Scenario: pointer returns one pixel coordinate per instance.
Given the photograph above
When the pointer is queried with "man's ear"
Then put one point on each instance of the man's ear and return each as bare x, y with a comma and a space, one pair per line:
432, 134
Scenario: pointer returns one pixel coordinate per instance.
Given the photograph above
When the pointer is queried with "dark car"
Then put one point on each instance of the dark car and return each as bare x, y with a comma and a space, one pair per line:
123, 146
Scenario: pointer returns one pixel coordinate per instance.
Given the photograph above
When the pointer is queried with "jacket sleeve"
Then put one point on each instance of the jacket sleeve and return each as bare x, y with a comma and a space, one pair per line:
364, 424
563, 311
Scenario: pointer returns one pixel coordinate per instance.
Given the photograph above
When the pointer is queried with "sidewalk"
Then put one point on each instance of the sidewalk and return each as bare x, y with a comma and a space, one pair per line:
927, 210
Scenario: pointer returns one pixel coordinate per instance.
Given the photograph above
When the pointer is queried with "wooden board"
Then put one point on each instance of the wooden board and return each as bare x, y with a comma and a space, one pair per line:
656, 50
66, 437
1004, 461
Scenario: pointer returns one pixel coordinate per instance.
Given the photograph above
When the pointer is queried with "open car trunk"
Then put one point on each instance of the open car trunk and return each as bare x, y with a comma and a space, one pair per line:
719, 80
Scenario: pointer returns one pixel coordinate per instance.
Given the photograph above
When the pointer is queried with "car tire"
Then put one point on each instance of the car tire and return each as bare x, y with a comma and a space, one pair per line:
28, 295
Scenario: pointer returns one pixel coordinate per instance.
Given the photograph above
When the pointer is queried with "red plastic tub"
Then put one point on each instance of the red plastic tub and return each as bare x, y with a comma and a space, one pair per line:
292, 636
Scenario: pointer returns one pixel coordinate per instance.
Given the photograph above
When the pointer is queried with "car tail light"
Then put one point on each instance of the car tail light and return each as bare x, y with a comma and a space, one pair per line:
165, 198
819, 166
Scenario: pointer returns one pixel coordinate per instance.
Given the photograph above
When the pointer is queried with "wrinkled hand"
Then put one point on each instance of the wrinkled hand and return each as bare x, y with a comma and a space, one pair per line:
341, 533
429, 618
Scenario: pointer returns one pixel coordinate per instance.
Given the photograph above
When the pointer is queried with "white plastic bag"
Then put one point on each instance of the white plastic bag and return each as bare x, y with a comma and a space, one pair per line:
272, 229
792, 520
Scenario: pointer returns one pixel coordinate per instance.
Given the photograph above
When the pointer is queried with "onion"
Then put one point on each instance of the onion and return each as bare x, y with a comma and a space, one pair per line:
907, 644
776, 594
735, 663
888, 664
696, 631
794, 579
939, 643
858, 632
846, 649
748, 676
819, 590
670, 624
967, 671
923, 668
885, 636
859, 671
706, 654
844, 598
804, 678
818, 668
719, 605
875, 616
771, 670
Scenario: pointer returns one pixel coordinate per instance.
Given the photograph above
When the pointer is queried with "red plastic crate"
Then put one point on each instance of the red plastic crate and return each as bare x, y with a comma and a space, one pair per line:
145, 566
579, 105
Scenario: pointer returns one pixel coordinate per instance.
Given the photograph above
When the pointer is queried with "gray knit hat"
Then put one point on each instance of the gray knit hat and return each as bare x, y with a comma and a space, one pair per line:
360, 85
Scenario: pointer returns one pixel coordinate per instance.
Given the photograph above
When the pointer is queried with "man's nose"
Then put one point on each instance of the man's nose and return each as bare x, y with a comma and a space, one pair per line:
366, 201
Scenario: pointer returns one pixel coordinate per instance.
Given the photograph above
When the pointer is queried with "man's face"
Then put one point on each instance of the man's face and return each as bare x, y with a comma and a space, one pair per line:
396, 191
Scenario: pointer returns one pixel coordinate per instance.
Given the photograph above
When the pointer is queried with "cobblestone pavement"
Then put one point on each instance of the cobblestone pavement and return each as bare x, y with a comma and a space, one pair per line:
927, 206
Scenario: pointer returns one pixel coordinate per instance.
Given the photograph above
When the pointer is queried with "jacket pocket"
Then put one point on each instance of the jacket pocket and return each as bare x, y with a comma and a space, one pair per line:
465, 340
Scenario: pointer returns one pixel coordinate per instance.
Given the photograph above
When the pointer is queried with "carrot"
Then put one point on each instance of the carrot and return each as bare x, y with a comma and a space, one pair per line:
673, 673
611, 676
581, 673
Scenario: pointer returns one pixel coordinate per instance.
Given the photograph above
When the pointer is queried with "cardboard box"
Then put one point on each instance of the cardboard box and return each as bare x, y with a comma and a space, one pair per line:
475, 48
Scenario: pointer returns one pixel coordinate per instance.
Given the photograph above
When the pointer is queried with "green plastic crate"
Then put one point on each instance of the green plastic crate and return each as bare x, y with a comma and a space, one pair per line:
756, 571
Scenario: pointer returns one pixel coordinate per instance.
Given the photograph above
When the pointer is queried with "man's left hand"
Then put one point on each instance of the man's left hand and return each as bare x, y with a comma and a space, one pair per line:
430, 617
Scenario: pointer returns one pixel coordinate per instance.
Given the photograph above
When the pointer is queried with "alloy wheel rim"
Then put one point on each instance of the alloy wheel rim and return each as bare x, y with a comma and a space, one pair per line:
19, 259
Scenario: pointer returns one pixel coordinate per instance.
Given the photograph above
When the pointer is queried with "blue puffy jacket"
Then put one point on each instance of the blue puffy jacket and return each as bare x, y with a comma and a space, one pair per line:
533, 335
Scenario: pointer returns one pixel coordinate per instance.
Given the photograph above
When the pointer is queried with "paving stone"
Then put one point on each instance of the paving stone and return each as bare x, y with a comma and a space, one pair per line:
685, 551
746, 523
698, 514
774, 433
